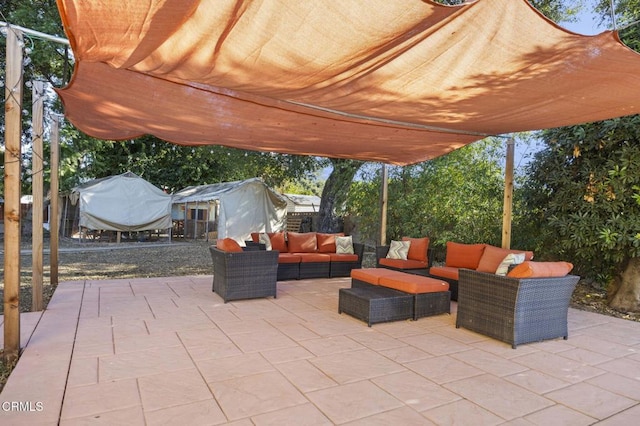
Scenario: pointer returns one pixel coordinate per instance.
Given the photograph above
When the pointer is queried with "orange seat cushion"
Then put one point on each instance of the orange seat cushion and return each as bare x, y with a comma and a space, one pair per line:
343, 257
530, 269
229, 245
403, 264
302, 242
327, 242
288, 258
314, 257
418, 248
414, 284
445, 272
371, 275
464, 255
278, 242
493, 256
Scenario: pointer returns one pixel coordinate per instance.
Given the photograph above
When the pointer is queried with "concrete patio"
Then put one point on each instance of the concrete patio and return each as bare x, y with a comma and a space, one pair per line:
167, 351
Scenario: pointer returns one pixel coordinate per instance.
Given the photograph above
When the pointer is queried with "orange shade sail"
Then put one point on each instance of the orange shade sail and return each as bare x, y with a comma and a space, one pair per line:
395, 81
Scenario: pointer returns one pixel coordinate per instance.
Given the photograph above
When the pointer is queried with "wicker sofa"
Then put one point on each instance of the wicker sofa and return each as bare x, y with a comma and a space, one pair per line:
479, 257
514, 310
244, 274
311, 255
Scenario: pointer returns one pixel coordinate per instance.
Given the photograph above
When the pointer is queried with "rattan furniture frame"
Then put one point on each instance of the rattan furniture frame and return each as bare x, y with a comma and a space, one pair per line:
514, 310
343, 269
244, 275
375, 304
424, 304
383, 251
288, 271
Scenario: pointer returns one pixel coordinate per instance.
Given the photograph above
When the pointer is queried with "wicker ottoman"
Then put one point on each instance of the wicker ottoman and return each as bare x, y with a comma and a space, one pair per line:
376, 304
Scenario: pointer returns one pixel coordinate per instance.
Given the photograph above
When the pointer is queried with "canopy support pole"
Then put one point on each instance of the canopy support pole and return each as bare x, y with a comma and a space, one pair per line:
384, 198
37, 233
12, 163
54, 218
508, 195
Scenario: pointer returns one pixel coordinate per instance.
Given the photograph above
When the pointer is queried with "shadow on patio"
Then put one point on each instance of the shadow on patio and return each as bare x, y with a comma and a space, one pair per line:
168, 351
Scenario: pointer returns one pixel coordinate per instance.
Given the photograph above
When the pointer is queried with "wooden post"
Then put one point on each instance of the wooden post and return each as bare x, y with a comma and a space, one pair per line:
38, 196
383, 205
12, 160
54, 216
508, 195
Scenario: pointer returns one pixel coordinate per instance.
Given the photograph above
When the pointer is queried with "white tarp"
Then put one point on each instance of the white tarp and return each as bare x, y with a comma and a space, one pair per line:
124, 202
244, 207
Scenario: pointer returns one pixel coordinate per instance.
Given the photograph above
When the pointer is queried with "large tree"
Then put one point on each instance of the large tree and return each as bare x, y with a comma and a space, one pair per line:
584, 190
454, 197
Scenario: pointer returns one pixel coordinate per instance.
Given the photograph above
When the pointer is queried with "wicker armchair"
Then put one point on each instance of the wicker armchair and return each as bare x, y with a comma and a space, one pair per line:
514, 310
244, 275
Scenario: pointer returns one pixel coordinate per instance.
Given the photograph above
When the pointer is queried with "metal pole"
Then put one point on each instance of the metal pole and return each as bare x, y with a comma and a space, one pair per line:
35, 33
12, 160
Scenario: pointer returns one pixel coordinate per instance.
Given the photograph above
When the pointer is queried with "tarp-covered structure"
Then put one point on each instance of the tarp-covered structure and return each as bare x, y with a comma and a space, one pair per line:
397, 81
231, 209
123, 202
298, 203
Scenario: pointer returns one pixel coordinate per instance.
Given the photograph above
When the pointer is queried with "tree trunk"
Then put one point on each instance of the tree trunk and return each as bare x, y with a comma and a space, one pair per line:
335, 192
624, 294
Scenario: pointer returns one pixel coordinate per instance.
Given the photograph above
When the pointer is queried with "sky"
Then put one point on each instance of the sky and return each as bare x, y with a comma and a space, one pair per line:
586, 23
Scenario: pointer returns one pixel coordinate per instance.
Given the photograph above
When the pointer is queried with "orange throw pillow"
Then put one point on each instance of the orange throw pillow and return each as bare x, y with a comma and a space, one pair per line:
493, 256
529, 269
228, 244
327, 242
278, 243
464, 255
305, 242
418, 248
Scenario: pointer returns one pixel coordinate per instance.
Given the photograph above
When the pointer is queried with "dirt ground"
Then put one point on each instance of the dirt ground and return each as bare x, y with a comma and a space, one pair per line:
97, 260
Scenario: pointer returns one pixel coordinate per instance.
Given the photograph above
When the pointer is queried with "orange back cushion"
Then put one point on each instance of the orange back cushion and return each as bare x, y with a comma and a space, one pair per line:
529, 269
278, 242
327, 242
463, 255
228, 244
305, 242
493, 256
418, 248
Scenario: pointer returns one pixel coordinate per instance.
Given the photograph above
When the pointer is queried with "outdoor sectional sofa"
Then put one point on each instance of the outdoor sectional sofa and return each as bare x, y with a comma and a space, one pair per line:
312, 254
477, 257
517, 310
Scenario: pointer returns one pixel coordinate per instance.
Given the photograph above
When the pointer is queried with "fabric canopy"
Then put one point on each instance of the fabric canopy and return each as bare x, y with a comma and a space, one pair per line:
397, 81
123, 202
